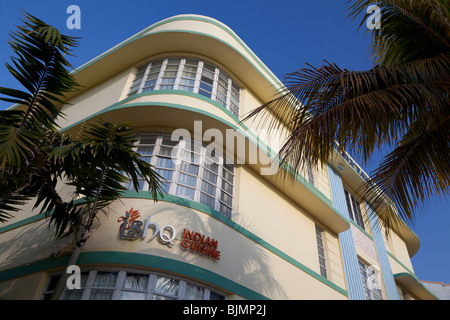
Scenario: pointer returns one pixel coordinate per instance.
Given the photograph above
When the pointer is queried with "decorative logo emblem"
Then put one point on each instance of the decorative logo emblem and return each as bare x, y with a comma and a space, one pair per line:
131, 227
195, 242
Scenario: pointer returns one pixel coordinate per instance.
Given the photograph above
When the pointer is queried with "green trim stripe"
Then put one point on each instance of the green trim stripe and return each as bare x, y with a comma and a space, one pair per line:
213, 213
402, 274
228, 30
245, 131
136, 259
172, 265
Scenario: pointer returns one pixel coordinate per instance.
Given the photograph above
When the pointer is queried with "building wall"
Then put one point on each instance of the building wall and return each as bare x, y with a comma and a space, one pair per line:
268, 248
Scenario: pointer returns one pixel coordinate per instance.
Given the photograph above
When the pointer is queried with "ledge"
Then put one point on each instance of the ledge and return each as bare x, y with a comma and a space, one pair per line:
410, 283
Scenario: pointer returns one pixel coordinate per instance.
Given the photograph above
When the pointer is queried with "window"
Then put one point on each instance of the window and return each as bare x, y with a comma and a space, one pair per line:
321, 251
370, 280
188, 75
354, 209
129, 285
191, 171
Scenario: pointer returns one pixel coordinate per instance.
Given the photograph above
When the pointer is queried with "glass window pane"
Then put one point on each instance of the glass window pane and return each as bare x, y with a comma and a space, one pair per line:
209, 176
150, 83
229, 167
223, 209
165, 163
321, 261
323, 272
101, 295
167, 141
227, 187
189, 168
165, 186
156, 297
145, 151
191, 157
222, 90
210, 165
141, 185
184, 88
184, 192
215, 296
105, 279
227, 176
173, 61
146, 159
192, 62
207, 200
206, 84
167, 286
166, 174
226, 199
319, 242
193, 292
127, 295
73, 294
147, 139
187, 179
208, 188
168, 81
148, 89
186, 82
207, 76
157, 63
136, 281
209, 67
205, 93
153, 75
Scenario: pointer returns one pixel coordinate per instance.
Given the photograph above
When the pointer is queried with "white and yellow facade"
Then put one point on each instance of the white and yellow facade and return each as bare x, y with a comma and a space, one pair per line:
225, 230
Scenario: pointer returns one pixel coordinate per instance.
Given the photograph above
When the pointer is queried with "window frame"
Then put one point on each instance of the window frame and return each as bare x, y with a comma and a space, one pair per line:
119, 287
233, 90
370, 281
321, 246
354, 209
190, 148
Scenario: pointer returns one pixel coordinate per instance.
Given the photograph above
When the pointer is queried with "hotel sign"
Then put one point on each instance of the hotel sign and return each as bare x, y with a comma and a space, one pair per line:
133, 229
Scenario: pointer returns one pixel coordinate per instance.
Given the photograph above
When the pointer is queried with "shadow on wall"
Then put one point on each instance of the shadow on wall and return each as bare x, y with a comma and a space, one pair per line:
30, 243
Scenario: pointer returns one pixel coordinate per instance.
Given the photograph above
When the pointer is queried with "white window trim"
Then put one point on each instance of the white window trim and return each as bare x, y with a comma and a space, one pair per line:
197, 81
176, 171
370, 281
320, 237
355, 213
150, 292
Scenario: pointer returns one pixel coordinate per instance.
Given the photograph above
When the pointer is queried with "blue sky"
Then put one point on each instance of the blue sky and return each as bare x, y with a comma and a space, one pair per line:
284, 34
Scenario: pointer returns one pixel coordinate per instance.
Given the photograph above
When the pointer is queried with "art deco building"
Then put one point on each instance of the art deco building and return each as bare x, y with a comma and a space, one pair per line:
229, 227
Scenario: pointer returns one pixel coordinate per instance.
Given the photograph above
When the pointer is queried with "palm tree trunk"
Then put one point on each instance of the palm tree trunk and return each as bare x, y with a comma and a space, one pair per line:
72, 261
80, 243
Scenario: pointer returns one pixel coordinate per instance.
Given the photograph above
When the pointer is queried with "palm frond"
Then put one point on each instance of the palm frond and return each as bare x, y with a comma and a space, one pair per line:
360, 111
98, 165
410, 30
40, 66
417, 169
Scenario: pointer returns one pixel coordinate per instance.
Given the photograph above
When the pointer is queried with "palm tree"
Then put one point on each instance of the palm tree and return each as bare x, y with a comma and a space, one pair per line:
402, 102
35, 158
